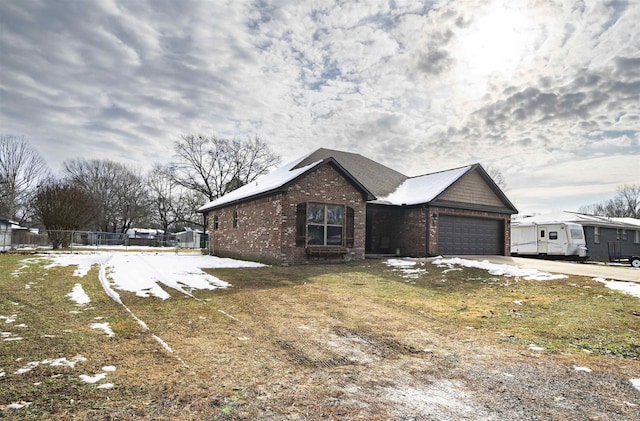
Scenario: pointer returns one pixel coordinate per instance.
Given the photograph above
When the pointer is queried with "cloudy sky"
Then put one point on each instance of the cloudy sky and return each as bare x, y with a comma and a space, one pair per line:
547, 92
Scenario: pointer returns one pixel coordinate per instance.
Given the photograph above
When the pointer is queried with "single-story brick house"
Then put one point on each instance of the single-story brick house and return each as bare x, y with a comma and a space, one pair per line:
338, 205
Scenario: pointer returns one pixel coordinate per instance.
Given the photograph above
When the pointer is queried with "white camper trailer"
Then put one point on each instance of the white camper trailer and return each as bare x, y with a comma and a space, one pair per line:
552, 239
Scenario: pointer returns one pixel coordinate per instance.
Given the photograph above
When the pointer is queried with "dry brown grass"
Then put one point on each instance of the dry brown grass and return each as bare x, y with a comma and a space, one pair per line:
352, 341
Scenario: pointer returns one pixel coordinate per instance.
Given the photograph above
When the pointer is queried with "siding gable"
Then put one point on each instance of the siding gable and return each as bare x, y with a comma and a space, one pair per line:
472, 188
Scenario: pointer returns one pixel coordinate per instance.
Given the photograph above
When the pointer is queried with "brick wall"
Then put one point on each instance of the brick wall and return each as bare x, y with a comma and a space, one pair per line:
396, 229
413, 241
266, 227
257, 235
325, 185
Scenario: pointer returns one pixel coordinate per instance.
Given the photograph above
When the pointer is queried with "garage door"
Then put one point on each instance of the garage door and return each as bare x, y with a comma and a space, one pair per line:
465, 235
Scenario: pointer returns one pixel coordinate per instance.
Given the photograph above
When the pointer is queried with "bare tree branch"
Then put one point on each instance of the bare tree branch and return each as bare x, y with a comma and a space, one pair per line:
119, 191
626, 203
21, 169
214, 166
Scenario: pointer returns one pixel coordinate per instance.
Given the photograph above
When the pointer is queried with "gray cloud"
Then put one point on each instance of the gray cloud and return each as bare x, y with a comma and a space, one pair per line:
386, 79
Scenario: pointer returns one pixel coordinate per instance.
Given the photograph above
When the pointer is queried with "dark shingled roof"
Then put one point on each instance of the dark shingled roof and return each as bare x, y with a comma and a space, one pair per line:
375, 177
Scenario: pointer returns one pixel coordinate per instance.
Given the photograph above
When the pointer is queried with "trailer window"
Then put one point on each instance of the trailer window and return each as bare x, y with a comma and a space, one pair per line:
553, 235
576, 234
541, 233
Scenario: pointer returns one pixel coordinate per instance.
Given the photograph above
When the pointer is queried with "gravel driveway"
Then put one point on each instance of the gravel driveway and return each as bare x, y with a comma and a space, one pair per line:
594, 270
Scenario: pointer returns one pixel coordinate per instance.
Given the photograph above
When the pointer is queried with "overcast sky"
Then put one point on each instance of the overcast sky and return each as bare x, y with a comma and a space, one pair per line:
548, 92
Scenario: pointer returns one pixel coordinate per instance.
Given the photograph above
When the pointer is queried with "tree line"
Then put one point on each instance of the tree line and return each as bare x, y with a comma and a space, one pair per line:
104, 195
626, 203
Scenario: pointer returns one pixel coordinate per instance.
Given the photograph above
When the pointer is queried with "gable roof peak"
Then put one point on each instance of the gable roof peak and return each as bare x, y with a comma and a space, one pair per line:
379, 179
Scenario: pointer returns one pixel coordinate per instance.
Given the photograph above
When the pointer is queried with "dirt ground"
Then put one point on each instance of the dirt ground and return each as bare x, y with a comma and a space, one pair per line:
358, 341
311, 352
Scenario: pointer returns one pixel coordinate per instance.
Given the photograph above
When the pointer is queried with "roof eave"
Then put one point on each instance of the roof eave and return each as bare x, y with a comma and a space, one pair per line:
284, 187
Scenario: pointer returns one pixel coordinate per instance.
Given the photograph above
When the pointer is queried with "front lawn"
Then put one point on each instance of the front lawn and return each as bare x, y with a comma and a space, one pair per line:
367, 340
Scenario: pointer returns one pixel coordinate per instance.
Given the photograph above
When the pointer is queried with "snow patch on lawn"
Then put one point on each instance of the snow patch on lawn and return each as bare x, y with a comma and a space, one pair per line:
104, 327
500, 270
630, 288
57, 362
78, 295
406, 267
83, 261
145, 273
92, 379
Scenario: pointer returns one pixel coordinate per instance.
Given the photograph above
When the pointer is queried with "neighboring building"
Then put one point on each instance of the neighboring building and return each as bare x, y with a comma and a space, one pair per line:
190, 239
14, 236
5, 234
337, 205
149, 237
606, 238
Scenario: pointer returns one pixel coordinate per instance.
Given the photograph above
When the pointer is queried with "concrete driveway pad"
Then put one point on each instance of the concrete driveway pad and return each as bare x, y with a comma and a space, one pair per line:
592, 270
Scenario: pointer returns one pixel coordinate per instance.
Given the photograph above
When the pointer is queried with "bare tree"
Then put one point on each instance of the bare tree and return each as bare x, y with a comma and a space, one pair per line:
61, 206
118, 191
214, 166
626, 203
172, 206
496, 176
21, 169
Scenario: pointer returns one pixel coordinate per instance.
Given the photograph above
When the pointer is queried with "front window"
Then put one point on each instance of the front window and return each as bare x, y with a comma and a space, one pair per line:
324, 225
624, 235
596, 235
576, 234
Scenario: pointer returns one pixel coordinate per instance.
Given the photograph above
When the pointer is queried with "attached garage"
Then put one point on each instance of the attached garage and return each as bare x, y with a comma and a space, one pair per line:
469, 235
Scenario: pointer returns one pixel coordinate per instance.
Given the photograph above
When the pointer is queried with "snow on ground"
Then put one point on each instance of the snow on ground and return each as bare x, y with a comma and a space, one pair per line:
104, 327
406, 268
57, 362
630, 288
500, 270
92, 379
406, 265
78, 295
145, 273
83, 261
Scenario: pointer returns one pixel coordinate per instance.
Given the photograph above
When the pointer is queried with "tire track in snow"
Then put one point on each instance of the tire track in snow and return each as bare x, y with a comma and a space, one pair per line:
102, 275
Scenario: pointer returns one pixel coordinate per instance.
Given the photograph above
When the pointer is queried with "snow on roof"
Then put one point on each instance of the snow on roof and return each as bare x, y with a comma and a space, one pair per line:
579, 218
423, 188
630, 221
263, 184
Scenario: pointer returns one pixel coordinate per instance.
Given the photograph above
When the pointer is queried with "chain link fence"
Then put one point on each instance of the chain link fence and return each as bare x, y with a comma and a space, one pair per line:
67, 239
